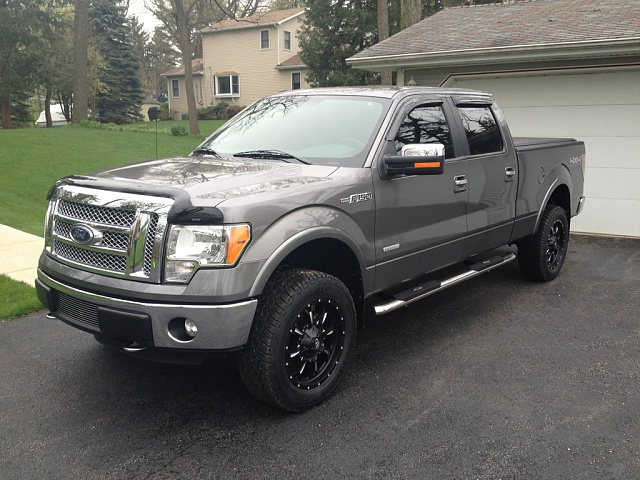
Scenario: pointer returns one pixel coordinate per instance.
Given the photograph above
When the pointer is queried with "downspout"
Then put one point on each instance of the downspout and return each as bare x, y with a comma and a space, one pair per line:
278, 27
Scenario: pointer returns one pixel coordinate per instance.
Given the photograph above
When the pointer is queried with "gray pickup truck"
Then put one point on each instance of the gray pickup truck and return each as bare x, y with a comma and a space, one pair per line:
306, 213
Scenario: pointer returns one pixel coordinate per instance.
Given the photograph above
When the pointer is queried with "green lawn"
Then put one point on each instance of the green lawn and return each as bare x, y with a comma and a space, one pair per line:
31, 159
16, 299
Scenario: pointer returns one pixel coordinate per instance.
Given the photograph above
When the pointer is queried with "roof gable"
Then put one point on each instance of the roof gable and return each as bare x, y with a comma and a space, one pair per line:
255, 21
514, 24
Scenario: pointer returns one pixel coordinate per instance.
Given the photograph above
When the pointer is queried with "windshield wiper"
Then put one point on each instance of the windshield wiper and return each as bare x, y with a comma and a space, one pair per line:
207, 151
270, 155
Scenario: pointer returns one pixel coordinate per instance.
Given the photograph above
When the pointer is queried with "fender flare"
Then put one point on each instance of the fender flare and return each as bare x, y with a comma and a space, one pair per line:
561, 176
306, 235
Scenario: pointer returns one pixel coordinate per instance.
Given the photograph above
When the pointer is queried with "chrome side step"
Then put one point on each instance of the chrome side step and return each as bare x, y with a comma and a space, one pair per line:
407, 297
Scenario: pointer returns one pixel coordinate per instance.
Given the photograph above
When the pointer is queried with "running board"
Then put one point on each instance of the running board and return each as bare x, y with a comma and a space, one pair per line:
407, 297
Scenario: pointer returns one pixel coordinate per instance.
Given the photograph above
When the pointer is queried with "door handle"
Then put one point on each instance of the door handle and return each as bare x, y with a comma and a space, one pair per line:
509, 173
460, 183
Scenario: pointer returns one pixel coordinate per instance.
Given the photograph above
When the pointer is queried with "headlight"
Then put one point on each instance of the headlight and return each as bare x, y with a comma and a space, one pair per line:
190, 247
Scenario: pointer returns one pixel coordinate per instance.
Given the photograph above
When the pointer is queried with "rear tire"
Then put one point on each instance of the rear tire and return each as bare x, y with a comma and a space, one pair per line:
301, 341
542, 255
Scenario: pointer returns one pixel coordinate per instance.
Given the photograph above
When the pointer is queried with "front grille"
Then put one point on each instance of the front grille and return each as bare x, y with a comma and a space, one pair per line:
118, 241
96, 214
124, 232
106, 261
75, 309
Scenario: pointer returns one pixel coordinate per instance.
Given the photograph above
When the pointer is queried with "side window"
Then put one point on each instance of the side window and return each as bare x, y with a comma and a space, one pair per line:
425, 124
175, 88
295, 81
264, 40
287, 40
481, 129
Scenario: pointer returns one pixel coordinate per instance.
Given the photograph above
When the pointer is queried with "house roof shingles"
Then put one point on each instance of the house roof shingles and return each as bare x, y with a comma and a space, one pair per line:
519, 23
197, 66
255, 20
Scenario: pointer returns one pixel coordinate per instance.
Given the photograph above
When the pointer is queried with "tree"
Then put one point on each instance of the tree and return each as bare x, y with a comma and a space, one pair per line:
24, 30
332, 31
80, 60
386, 77
120, 98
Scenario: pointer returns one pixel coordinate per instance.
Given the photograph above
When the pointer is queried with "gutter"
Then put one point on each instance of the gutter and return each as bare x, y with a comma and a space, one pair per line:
497, 55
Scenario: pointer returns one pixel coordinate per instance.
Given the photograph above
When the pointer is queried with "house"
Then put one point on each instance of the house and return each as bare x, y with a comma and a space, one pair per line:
566, 68
243, 60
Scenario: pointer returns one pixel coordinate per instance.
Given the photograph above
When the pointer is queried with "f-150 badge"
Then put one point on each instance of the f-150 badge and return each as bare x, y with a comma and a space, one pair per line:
357, 197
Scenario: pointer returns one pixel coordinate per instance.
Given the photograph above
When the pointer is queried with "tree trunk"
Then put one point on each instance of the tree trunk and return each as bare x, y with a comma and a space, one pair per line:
47, 108
185, 48
410, 13
386, 78
80, 61
6, 111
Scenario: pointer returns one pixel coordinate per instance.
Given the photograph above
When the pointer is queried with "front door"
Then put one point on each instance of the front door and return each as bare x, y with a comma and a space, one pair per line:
420, 220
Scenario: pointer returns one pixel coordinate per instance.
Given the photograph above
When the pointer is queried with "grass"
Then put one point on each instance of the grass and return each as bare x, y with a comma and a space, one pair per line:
16, 299
31, 159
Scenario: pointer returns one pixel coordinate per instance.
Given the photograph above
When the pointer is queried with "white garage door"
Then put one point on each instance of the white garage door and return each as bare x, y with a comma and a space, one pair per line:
600, 107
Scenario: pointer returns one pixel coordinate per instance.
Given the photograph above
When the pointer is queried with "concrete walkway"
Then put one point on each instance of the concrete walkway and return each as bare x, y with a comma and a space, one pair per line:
19, 252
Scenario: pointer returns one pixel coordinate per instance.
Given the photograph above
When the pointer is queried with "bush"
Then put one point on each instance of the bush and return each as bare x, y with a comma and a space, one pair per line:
232, 110
179, 131
214, 112
166, 114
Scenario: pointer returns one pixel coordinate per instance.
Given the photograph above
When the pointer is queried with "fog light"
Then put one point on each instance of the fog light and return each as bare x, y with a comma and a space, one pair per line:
190, 327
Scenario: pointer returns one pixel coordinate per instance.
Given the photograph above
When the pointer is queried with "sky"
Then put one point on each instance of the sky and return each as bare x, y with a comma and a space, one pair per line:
137, 8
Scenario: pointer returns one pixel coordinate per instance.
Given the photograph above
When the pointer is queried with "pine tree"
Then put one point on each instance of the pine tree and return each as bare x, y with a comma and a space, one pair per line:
120, 99
332, 32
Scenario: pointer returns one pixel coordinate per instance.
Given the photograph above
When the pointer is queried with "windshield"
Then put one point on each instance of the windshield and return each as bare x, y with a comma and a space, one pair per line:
322, 130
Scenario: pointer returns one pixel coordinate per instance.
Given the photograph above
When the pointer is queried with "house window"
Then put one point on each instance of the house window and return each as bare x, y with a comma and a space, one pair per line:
287, 40
295, 81
264, 39
227, 86
175, 88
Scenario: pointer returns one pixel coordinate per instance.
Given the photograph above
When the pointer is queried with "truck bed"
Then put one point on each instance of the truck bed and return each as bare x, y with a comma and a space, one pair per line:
524, 143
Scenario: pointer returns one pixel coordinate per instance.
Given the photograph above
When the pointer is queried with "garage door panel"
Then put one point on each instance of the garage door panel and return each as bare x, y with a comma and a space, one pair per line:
559, 121
613, 152
610, 216
613, 183
558, 89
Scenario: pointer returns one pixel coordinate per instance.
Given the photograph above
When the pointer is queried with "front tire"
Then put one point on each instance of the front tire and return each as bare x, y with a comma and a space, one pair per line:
301, 341
542, 255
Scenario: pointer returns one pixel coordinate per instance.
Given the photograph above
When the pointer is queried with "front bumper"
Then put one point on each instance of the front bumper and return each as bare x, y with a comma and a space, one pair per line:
221, 327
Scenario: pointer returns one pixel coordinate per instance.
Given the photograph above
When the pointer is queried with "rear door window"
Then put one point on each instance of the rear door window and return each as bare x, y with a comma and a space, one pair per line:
481, 129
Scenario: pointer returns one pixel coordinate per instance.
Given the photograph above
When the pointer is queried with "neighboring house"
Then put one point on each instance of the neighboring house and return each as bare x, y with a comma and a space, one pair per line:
243, 60
566, 68
176, 88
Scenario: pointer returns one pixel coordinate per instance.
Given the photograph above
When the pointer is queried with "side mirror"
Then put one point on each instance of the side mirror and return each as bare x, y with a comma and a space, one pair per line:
416, 159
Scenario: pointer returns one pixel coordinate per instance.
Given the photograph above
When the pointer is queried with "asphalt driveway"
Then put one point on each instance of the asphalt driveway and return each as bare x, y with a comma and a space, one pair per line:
494, 378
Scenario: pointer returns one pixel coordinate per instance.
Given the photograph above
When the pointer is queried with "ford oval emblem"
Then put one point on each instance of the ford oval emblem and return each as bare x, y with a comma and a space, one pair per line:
81, 234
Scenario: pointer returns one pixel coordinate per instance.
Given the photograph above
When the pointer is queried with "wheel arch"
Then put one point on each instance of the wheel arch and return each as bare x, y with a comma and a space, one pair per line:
323, 249
558, 193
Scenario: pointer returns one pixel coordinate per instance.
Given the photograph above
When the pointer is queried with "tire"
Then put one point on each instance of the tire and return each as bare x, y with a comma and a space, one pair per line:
542, 255
301, 340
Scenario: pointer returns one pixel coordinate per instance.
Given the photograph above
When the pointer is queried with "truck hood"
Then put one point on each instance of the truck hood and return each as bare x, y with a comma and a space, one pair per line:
218, 179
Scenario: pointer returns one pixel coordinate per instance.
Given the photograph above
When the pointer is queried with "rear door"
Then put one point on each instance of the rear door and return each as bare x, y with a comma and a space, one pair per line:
420, 220
492, 174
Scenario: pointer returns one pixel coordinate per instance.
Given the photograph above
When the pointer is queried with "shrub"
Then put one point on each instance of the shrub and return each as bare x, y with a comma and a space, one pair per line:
166, 114
232, 110
179, 131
